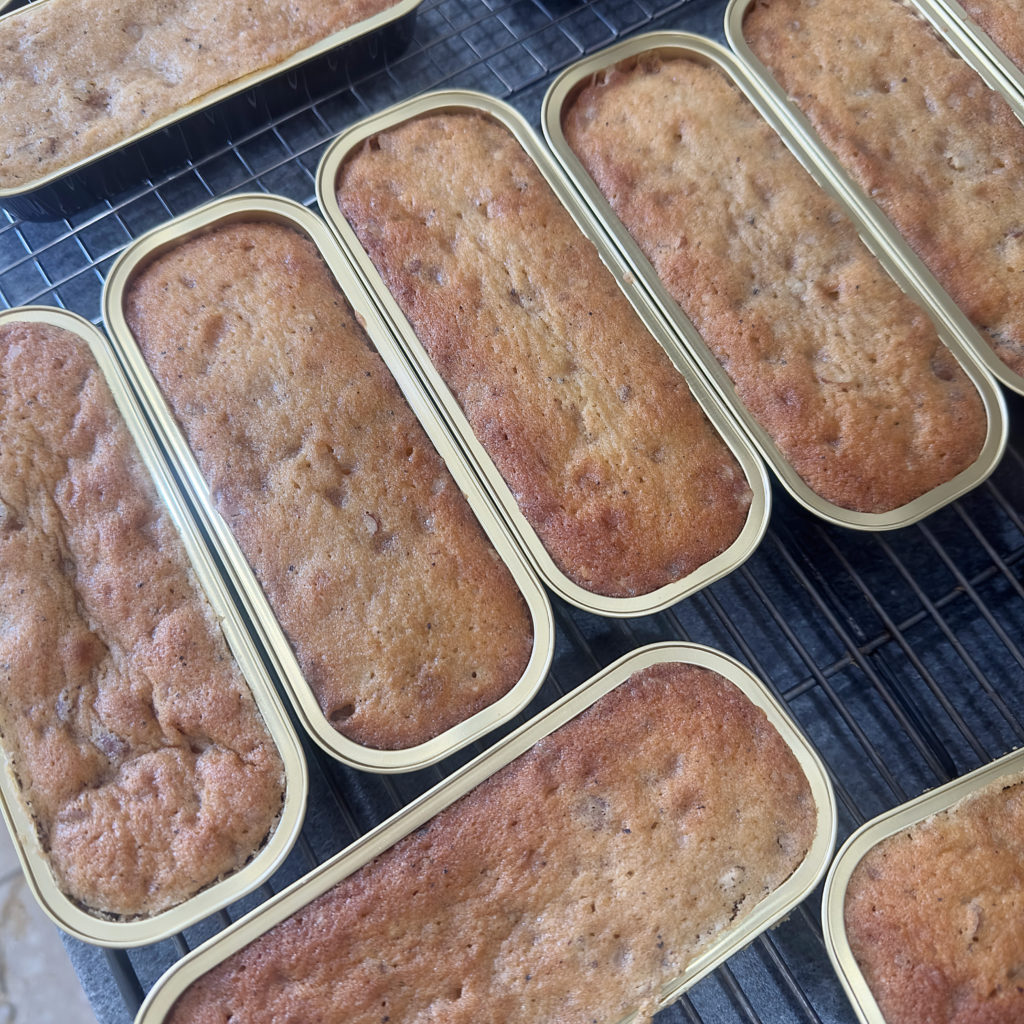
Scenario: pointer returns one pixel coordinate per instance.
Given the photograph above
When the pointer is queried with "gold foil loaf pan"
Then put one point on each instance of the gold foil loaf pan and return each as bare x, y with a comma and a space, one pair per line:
923, 907
98, 97
627, 485
598, 861
921, 131
866, 402
400, 614
150, 775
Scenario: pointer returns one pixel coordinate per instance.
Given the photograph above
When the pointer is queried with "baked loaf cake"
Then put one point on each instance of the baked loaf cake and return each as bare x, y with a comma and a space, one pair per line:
1003, 22
402, 617
940, 152
78, 76
135, 740
844, 372
935, 914
608, 455
569, 887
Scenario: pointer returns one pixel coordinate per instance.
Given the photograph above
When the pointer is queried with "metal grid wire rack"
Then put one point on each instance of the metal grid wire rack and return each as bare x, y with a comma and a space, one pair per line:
899, 654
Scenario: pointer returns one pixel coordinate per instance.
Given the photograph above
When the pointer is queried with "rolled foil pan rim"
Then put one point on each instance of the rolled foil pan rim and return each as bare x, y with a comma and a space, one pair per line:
882, 229
229, 90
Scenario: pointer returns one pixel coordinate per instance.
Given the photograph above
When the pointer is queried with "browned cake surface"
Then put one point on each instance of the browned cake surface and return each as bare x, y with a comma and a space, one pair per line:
136, 742
402, 617
605, 450
940, 152
1003, 21
844, 372
569, 887
77, 76
935, 914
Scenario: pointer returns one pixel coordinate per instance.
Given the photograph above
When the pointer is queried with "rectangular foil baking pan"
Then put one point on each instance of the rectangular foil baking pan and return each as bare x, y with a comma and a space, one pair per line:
107, 930
769, 912
501, 494
878, 226
279, 210
187, 134
864, 839
696, 48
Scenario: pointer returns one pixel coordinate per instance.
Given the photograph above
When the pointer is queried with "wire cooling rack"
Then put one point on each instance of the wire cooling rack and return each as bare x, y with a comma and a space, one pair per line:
898, 654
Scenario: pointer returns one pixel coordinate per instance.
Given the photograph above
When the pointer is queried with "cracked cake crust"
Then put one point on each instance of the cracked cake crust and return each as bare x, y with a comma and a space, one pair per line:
137, 745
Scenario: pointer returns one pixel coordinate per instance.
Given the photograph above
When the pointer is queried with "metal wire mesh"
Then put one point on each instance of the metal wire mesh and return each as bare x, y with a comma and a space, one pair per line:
898, 654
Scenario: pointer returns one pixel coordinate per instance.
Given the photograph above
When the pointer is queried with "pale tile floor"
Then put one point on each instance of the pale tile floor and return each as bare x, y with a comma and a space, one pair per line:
37, 982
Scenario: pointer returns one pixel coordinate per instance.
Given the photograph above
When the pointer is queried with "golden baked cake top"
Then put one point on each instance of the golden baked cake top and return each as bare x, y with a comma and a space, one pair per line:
570, 886
938, 150
846, 373
935, 913
132, 734
608, 455
402, 617
79, 76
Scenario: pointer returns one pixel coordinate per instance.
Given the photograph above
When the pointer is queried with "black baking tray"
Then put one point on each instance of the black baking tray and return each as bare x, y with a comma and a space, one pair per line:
899, 654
